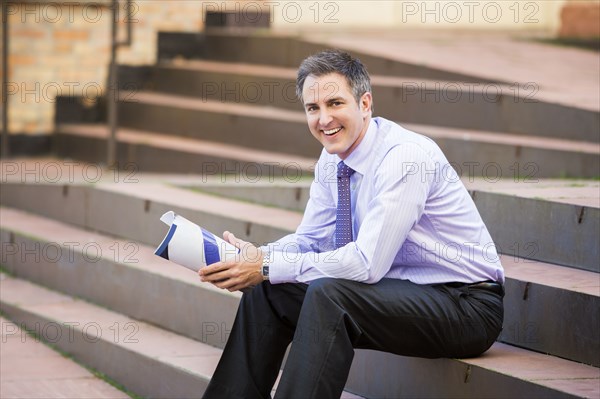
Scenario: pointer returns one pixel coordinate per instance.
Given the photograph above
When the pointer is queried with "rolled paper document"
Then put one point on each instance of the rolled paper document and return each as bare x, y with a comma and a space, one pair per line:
191, 246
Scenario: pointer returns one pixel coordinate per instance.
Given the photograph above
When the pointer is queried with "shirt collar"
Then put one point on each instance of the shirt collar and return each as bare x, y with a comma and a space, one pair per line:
358, 159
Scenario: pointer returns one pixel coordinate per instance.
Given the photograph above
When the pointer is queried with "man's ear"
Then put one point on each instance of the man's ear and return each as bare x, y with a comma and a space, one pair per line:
366, 101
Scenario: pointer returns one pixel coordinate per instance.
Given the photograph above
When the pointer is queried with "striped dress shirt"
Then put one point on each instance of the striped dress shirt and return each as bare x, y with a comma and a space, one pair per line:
412, 218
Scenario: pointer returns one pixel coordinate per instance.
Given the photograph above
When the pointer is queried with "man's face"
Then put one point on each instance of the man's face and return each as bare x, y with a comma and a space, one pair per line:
334, 118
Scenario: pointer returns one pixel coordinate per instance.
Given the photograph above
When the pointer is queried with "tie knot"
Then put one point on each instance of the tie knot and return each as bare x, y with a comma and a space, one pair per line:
344, 170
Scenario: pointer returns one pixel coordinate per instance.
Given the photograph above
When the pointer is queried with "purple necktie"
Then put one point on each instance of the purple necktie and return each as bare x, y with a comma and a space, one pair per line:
343, 217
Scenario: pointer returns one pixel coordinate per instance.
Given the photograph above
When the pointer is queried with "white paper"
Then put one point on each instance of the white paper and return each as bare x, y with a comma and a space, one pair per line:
191, 246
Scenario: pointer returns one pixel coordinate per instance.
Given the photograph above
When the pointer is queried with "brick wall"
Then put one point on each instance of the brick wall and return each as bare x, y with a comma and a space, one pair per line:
580, 19
64, 48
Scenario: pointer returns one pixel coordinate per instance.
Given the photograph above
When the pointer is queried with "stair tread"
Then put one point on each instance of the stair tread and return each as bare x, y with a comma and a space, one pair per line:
249, 212
577, 192
199, 104
201, 359
31, 369
229, 67
435, 132
269, 71
576, 280
185, 144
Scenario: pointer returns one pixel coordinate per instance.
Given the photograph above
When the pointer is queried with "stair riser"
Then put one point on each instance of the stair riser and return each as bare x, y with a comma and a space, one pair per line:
135, 158
495, 161
533, 229
404, 377
551, 320
139, 374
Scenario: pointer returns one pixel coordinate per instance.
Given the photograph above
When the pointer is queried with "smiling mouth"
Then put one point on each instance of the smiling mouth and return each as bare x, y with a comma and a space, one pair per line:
331, 132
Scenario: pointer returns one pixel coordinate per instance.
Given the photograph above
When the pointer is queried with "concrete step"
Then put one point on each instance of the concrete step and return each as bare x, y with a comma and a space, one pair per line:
152, 152
531, 284
31, 369
481, 106
154, 362
472, 153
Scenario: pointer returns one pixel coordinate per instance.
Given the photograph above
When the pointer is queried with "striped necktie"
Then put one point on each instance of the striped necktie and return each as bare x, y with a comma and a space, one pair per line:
343, 217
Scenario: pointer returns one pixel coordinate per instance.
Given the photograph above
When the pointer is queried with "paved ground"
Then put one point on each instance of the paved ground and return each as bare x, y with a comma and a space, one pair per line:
561, 75
30, 369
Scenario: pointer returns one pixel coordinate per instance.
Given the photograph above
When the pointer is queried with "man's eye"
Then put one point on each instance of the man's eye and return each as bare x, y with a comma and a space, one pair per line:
309, 109
337, 103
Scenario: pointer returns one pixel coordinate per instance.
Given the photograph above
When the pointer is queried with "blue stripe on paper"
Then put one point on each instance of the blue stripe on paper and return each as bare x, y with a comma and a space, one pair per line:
211, 250
163, 250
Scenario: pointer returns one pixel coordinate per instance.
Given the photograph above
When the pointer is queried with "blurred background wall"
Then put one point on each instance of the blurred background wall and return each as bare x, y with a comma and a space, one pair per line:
63, 48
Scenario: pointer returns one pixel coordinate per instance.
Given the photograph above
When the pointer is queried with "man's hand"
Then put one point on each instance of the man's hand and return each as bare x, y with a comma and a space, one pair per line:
238, 274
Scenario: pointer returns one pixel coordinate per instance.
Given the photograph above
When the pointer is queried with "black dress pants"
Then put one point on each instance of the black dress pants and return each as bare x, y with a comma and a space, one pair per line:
327, 319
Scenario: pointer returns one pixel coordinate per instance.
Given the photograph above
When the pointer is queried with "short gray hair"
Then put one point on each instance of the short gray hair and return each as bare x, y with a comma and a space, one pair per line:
335, 61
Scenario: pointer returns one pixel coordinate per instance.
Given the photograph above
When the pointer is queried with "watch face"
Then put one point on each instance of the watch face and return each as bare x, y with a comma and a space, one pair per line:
265, 271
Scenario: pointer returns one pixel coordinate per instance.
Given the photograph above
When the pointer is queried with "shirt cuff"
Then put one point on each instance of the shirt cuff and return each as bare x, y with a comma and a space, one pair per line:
281, 270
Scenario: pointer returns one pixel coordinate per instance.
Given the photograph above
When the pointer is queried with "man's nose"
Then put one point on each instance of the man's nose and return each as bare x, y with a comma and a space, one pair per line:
324, 118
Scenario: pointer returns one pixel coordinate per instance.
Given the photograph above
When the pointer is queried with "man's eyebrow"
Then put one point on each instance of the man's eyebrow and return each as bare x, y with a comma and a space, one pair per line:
309, 104
334, 99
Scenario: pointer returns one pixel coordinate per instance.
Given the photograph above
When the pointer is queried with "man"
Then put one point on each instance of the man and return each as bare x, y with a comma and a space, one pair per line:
391, 255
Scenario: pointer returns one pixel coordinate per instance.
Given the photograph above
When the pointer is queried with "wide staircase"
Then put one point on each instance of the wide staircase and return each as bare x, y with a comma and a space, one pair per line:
213, 132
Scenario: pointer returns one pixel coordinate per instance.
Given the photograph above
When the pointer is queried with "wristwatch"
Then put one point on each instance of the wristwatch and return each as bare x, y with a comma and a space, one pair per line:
264, 270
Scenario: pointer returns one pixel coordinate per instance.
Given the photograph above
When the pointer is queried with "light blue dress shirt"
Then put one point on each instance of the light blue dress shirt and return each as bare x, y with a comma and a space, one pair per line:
412, 218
